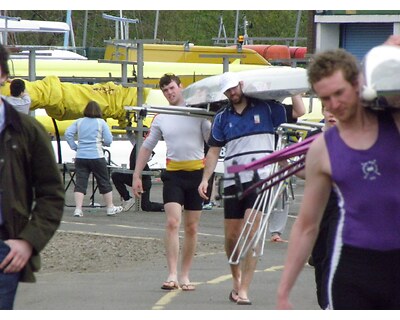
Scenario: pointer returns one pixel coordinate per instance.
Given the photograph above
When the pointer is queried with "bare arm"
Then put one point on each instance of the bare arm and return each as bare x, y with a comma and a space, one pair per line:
305, 229
211, 163
393, 40
298, 106
301, 174
141, 161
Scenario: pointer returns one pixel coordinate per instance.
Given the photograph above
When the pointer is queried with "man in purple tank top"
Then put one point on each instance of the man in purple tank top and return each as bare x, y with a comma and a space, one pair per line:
358, 159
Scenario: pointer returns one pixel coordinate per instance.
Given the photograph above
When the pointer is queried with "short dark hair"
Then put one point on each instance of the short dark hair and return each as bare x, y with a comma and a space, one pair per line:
167, 78
93, 110
17, 86
4, 55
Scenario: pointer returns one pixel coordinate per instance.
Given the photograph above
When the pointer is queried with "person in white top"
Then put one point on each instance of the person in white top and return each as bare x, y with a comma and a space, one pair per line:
184, 137
19, 98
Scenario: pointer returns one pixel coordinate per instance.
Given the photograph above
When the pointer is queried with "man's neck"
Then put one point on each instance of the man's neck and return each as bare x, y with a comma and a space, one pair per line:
180, 103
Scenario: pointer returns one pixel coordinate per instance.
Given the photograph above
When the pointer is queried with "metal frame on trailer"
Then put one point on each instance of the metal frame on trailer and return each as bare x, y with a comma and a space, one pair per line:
270, 191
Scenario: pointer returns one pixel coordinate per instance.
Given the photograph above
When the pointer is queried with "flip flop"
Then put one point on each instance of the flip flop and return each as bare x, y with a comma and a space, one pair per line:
231, 298
277, 238
243, 302
170, 285
188, 287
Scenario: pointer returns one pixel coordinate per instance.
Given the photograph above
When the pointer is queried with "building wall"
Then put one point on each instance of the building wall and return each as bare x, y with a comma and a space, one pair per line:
332, 27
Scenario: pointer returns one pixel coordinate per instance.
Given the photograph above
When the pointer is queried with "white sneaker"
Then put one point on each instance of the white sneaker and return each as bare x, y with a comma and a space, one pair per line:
78, 213
128, 204
113, 210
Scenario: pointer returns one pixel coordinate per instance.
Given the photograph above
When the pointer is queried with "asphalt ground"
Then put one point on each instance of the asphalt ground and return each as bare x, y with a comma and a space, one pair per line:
137, 288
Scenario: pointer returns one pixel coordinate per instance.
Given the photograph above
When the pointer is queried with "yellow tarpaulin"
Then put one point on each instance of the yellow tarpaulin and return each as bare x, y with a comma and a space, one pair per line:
66, 101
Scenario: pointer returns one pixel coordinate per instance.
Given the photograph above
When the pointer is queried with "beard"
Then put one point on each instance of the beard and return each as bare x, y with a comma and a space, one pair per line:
236, 98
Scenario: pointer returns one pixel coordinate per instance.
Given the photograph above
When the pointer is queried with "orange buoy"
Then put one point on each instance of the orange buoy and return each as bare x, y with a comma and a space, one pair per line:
259, 48
276, 52
270, 52
298, 52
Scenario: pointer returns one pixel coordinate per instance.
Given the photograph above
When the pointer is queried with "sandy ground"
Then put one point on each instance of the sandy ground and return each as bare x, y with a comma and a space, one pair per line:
103, 253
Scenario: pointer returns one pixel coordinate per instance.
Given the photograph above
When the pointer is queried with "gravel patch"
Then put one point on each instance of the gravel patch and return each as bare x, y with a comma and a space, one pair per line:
75, 252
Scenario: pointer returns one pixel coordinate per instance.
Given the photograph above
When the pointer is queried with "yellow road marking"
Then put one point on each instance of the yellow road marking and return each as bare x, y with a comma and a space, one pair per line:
168, 297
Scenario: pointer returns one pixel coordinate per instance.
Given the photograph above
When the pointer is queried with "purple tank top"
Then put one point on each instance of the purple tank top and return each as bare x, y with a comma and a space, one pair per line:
368, 187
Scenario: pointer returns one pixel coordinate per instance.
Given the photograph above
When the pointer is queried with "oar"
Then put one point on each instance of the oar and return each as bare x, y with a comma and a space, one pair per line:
283, 154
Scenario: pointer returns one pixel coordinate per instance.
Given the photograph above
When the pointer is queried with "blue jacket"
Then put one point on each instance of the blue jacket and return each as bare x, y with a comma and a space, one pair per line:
92, 134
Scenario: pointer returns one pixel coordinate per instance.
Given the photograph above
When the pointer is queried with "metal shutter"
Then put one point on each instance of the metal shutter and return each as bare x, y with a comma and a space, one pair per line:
358, 38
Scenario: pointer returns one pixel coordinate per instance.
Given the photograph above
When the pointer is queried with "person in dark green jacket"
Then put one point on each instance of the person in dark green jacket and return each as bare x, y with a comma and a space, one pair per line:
31, 195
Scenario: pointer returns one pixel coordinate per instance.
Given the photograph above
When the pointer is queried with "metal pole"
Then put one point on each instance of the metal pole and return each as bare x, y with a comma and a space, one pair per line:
85, 24
156, 24
5, 36
220, 28
236, 26
72, 34
32, 65
122, 26
245, 35
140, 65
296, 34
66, 35
225, 64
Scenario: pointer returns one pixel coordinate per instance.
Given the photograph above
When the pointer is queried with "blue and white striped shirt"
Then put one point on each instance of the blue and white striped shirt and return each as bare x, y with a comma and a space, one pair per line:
248, 136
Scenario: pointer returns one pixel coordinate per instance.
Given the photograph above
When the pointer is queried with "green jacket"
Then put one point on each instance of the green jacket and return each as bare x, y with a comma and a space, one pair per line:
31, 188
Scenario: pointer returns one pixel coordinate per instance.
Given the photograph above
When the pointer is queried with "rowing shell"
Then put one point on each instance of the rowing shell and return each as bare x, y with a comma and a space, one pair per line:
381, 69
275, 82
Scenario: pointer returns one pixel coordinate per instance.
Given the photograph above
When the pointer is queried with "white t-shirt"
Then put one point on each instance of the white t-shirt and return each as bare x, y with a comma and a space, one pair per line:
21, 104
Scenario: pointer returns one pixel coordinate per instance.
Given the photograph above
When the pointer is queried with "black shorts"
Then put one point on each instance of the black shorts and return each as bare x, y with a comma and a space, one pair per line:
182, 187
235, 208
366, 280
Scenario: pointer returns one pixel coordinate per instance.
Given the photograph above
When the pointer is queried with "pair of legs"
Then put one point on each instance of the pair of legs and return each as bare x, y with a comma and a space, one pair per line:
121, 180
278, 218
191, 220
80, 196
242, 273
237, 213
180, 190
99, 168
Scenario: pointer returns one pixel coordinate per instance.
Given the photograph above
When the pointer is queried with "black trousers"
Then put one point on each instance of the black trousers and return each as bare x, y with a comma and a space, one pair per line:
121, 180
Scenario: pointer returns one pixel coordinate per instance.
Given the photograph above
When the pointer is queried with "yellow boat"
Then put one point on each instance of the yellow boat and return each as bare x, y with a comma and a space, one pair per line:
92, 71
65, 86
186, 53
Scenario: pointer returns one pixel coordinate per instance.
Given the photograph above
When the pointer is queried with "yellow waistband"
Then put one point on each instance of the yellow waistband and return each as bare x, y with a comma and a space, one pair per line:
189, 165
